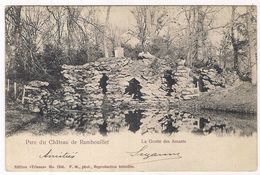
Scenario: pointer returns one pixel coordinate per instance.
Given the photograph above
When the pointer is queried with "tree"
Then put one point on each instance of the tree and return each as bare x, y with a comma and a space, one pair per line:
105, 32
226, 51
30, 30
58, 13
140, 14
13, 35
243, 39
234, 41
200, 21
150, 21
252, 42
190, 14
113, 34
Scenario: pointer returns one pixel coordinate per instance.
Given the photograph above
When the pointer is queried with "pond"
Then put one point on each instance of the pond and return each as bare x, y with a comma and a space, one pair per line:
143, 121
135, 120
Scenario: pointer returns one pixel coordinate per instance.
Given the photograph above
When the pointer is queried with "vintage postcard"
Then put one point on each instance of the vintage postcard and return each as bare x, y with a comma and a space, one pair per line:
131, 88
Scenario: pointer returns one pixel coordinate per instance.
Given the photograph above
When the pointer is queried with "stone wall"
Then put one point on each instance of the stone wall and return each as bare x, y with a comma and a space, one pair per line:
81, 83
82, 106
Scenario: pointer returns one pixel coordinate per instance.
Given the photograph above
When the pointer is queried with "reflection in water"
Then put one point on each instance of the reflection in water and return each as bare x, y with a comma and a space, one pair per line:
168, 124
203, 122
207, 127
160, 121
133, 119
103, 128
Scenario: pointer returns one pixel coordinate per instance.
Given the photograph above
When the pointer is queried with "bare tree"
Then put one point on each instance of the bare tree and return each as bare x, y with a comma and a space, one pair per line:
13, 34
251, 42
58, 13
72, 26
113, 36
190, 15
105, 32
150, 21
197, 32
200, 20
140, 14
234, 40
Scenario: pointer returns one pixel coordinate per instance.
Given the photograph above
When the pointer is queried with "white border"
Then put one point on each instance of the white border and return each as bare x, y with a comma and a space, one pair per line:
3, 3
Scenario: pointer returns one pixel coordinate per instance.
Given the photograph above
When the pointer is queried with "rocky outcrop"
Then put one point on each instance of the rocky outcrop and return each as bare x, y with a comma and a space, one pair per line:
81, 83
83, 104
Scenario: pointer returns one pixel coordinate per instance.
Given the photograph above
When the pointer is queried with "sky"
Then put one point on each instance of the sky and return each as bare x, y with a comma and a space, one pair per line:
121, 17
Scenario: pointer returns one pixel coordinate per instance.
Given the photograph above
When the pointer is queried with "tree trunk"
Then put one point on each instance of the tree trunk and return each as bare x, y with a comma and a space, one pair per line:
69, 29
201, 36
105, 31
195, 41
190, 37
234, 42
17, 36
251, 47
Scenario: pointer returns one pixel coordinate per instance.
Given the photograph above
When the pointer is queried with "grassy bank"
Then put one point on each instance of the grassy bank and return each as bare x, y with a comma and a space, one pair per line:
241, 98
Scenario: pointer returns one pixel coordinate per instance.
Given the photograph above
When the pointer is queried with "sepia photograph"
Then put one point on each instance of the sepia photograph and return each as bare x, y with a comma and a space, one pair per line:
162, 75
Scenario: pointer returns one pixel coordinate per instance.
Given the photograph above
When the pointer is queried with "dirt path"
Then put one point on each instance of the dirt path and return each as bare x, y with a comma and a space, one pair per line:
17, 121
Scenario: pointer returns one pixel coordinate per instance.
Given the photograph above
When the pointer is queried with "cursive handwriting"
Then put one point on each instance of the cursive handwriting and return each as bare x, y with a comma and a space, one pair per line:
50, 154
147, 155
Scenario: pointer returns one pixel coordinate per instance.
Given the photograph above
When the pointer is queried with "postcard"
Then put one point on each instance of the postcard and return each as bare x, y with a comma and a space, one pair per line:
131, 88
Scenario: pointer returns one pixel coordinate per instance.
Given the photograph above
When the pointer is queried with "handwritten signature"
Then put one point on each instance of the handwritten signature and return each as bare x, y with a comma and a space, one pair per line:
50, 154
144, 154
